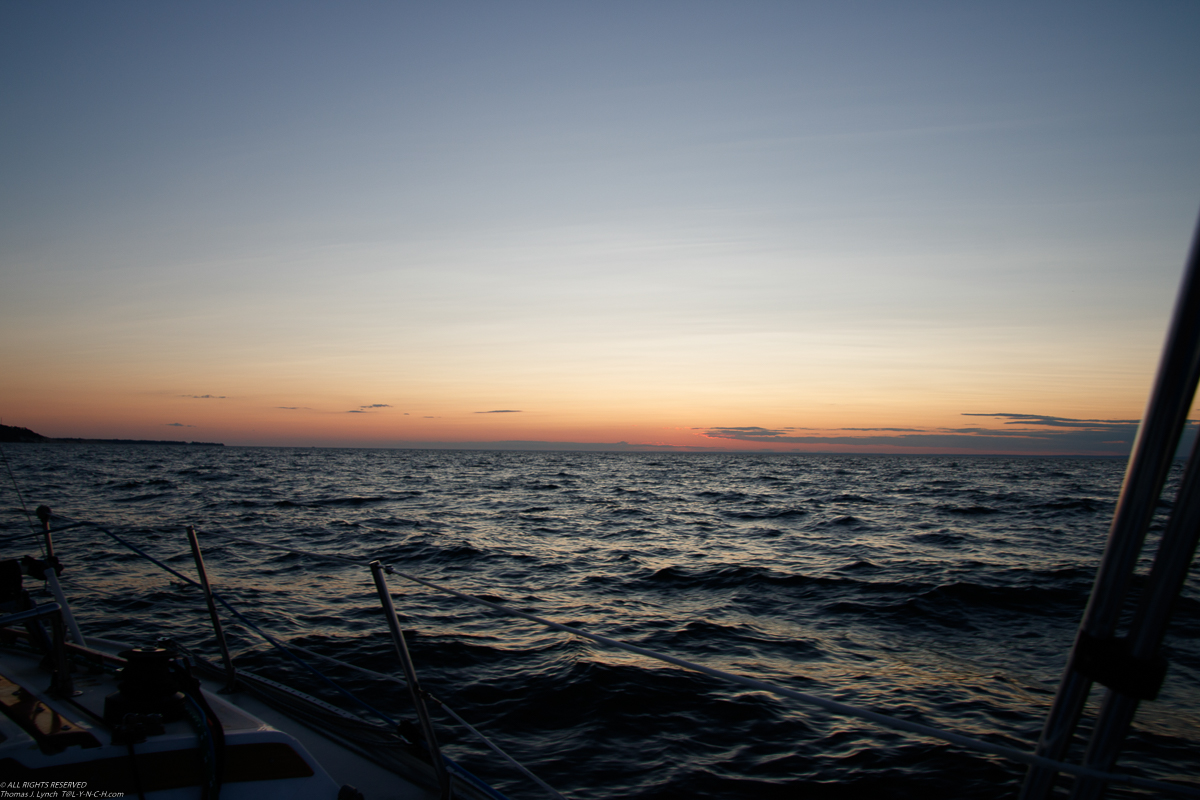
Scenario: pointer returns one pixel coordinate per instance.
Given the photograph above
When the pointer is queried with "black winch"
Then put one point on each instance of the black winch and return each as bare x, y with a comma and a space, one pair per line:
148, 685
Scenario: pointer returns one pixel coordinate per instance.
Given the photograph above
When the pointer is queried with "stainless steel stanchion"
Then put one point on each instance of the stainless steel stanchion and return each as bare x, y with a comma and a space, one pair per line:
1153, 452
230, 672
1140, 669
51, 577
410, 675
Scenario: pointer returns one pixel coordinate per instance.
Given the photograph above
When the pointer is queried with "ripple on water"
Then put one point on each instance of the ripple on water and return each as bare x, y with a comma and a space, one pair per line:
905, 583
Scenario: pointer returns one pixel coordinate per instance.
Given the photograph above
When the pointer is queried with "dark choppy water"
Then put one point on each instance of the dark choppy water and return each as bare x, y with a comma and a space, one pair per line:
944, 590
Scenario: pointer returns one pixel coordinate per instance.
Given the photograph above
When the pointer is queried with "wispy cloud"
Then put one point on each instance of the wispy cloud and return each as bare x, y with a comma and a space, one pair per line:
178, 425
748, 433
903, 430
1059, 422
204, 396
1029, 433
367, 409
501, 411
560, 446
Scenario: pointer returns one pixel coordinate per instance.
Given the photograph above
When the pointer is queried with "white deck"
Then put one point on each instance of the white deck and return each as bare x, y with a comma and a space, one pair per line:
245, 719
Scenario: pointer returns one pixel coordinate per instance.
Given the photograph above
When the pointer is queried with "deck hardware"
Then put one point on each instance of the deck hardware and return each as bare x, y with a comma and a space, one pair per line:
1144, 638
50, 575
1149, 463
410, 675
147, 687
1111, 662
1161, 788
230, 673
44, 513
52, 732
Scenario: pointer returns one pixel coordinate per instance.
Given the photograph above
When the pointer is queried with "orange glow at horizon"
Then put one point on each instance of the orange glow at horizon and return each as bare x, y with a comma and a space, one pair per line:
815, 235
378, 419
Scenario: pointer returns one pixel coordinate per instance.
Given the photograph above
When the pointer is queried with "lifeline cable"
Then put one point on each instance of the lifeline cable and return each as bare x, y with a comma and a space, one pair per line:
283, 648
21, 498
518, 765
461, 771
383, 676
832, 706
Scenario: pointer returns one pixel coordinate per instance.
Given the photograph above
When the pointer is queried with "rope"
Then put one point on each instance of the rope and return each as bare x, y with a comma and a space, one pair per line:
1011, 753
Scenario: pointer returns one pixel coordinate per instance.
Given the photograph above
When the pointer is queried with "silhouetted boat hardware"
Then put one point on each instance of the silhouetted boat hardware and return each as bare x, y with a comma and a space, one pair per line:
136, 720
1131, 667
161, 721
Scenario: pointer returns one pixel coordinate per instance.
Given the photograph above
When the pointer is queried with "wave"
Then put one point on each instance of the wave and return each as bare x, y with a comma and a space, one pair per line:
1085, 504
968, 510
768, 513
941, 538
141, 498
351, 501
839, 575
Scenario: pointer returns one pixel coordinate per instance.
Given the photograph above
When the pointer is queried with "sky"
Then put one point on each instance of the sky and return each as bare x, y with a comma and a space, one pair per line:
815, 227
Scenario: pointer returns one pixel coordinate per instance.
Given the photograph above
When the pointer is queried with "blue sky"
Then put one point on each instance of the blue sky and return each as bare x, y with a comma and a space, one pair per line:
631, 221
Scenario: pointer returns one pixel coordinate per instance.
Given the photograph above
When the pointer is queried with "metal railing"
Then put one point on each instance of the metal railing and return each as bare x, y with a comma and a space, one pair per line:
1035, 760
1131, 666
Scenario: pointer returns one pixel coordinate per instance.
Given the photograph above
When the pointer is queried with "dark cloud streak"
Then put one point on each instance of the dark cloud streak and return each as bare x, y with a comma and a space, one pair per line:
1035, 433
365, 409
1056, 422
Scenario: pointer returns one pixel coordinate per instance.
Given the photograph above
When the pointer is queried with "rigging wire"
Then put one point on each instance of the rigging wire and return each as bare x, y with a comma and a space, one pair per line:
241, 618
383, 676
287, 649
832, 706
843, 709
33, 529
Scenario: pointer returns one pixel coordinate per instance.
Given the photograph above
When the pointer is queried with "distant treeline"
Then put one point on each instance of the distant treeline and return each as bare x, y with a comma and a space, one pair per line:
11, 433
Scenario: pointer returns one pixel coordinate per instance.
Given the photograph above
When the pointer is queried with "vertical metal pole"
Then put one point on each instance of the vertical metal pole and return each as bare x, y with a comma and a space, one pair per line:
61, 684
44, 514
51, 577
1149, 462
61, 599
1149, 627
410, 675
230, 673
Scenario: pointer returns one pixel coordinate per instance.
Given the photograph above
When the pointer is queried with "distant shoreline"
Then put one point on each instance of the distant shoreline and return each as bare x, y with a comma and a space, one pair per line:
10, 433
133, 441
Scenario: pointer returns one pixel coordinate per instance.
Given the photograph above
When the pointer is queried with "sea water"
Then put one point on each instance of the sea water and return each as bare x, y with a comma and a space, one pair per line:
944, 590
